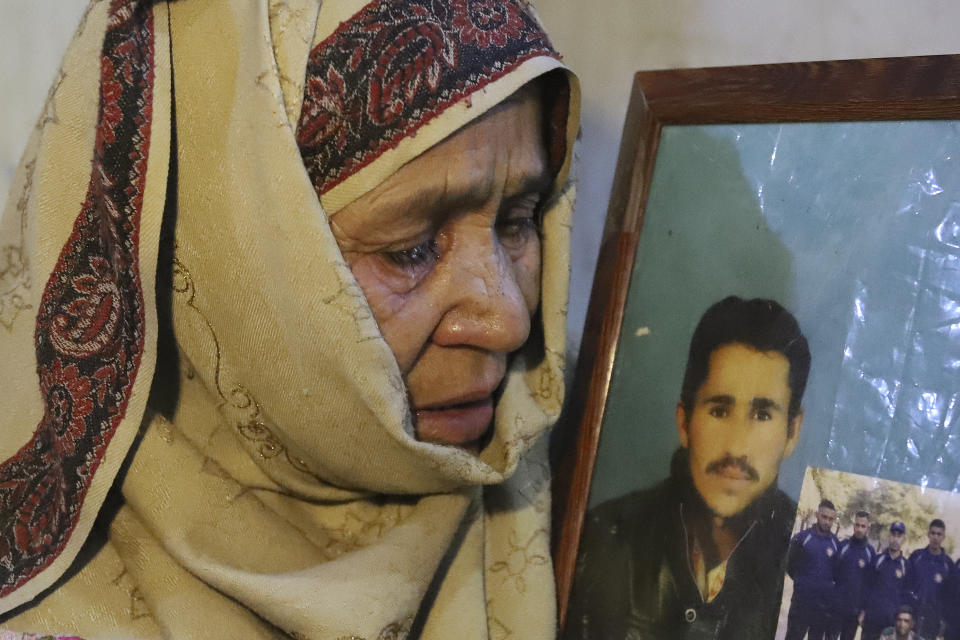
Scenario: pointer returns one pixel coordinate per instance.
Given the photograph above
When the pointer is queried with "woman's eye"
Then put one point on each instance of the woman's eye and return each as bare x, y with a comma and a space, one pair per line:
521, 222
518, 228
424, 254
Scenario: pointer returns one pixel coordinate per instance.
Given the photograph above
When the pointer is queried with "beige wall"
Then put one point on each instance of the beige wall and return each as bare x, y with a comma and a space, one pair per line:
603, 40
33, 36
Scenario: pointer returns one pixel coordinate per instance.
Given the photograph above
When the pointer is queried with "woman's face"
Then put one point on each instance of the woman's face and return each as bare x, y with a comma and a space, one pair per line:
447, 252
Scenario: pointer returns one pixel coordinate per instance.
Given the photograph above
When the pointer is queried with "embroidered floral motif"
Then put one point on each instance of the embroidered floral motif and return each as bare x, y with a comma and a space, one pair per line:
362, 525
520, 557
14, 270
15, 635
395, 66
237, 404
330, 114
67, 396
90, 324
397, 630
138, 607
49, 115
498, 630
411, 61
488, 23
254, 430
393, 631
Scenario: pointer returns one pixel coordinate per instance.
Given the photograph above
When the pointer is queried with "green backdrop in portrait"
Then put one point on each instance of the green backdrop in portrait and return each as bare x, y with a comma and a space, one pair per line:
853, 227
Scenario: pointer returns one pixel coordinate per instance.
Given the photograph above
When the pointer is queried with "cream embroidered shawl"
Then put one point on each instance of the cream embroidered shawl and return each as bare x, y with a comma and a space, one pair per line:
271, 486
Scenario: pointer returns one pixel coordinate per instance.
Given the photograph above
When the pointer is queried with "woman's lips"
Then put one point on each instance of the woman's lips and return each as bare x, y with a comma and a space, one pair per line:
456, 424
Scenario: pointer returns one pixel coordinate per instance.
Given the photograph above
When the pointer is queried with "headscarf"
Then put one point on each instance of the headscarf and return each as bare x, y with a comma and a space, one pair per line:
256, 474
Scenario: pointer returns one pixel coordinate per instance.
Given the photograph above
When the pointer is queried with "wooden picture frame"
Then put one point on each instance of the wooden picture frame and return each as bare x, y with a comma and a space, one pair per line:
883, 89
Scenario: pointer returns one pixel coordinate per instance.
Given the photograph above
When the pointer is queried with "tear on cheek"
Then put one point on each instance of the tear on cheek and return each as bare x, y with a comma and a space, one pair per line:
528, 281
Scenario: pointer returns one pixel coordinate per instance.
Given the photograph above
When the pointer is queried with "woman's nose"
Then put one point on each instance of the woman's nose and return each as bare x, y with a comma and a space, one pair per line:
485, 304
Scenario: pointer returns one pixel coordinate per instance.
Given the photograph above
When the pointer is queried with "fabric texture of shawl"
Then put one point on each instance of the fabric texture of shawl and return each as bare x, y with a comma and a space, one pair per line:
256, 475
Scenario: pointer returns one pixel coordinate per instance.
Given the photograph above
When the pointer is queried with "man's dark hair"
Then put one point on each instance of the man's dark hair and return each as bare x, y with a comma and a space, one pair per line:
937, 522
761, 324
862, 514
905, 608
827, 504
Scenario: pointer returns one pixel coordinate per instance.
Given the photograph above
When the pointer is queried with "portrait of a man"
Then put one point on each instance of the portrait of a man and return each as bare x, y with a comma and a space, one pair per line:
702, 553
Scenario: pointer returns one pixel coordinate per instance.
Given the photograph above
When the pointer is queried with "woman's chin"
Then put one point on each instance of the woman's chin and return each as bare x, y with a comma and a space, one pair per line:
461, 425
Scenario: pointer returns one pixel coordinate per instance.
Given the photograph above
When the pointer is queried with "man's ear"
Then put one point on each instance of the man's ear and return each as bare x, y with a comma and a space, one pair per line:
793, 433
681, 417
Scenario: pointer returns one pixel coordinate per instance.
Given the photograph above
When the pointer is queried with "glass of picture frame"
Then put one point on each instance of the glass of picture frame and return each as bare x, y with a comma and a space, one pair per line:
831, 188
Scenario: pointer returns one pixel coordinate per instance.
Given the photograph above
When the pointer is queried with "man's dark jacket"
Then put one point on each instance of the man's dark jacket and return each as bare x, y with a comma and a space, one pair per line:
634, 579
855, 559
812, 563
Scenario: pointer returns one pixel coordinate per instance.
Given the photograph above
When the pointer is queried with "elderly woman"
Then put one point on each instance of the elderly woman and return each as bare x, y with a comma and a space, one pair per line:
282, 297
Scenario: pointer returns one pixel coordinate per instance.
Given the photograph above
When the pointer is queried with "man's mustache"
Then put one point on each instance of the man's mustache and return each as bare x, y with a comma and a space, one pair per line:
738, 462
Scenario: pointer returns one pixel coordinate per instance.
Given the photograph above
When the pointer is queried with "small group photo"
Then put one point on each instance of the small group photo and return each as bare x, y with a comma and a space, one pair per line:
871, 559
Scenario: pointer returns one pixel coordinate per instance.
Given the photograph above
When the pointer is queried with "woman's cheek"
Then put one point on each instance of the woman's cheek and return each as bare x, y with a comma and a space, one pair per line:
385, 287
526, 270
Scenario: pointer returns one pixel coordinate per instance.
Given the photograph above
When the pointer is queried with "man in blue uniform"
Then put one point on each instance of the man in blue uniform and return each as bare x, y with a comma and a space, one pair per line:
886, 588
928, 570
951, 610
855, 558
811, 562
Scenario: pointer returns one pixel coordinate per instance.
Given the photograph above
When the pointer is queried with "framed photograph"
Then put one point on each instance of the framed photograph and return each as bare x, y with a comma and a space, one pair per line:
778, 288
887, 545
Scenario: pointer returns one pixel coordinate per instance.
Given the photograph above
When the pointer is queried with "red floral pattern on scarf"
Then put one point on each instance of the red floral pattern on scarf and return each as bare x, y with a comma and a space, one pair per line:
330, 114
67, 397
487, 23
396, 65
415, 59
90, 322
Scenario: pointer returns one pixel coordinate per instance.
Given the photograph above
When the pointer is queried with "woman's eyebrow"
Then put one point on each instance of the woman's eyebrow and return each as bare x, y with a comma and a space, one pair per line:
534, 182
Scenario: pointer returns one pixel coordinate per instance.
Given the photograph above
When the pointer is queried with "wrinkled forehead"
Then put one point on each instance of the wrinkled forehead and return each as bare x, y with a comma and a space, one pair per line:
387, 80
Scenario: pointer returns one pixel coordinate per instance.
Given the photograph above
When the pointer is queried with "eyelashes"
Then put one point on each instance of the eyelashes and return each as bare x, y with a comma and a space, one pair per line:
517, 226
424, 254
760, 414
514, 232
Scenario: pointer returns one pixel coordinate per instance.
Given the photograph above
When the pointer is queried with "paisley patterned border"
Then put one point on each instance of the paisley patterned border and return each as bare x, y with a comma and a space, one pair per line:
396, 65
90, 325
